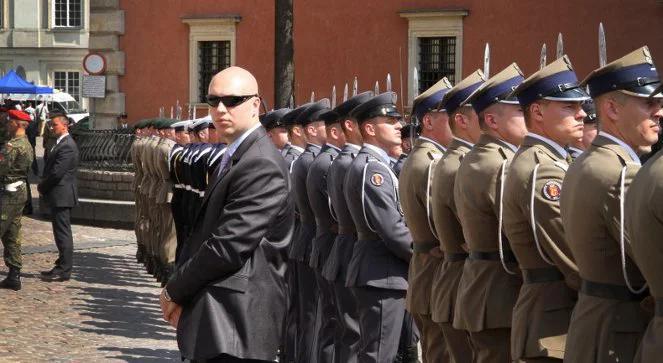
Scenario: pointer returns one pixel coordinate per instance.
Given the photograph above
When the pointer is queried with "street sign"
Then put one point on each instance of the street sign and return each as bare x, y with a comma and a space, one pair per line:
94, 86
94, 63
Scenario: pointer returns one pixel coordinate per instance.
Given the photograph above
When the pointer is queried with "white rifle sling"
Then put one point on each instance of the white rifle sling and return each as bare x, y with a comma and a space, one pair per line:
622, 241
499, 218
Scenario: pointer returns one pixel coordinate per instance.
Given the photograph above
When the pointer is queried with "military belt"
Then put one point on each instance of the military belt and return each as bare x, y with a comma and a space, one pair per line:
455, 257
541, 275
347, 230
609, 291
367, 236
509, 257
659, 307
425, 246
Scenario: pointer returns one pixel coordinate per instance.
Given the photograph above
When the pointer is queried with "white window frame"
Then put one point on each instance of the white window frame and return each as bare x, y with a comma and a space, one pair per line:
79, 96
82, 20
208, 29
434, 23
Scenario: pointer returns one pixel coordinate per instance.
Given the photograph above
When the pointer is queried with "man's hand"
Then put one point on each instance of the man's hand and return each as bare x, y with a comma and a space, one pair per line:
171, 311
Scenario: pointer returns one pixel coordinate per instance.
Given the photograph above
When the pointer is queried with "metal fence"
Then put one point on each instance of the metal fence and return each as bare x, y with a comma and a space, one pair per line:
105, 149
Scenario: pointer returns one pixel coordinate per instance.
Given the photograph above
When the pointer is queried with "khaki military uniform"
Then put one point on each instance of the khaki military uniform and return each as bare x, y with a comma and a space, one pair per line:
136, 149
486, 292
450, 235
15, 160
148, 187
608, 321
547, 297
644, 221
167, 243
415, 188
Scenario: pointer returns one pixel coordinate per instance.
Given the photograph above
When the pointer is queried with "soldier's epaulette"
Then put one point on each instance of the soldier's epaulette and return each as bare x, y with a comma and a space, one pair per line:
502, 152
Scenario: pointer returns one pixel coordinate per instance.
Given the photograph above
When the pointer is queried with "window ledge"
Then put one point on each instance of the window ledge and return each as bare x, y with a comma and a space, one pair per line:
425, 13
66, 29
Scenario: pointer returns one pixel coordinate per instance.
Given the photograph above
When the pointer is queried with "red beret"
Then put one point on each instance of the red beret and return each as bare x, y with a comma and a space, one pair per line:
19, 115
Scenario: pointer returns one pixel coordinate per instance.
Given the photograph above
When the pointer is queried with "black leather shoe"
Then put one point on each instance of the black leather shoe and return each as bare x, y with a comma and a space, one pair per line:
52, 271
58, 275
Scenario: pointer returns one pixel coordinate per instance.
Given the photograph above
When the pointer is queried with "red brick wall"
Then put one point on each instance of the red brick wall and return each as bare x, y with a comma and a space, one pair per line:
336, 40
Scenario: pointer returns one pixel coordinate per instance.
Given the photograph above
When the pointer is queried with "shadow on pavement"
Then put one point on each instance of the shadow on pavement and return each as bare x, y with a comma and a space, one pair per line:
120, 301
141, 355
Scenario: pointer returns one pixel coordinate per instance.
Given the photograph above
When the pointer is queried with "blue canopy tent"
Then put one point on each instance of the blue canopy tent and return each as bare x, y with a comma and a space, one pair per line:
13, 83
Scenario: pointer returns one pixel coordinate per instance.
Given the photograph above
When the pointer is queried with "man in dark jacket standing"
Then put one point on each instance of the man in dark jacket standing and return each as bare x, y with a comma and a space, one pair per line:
227, 297
58, 186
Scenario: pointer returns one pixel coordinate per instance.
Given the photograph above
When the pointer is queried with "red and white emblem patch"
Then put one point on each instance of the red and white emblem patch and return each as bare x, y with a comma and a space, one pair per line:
552, 190
377, 179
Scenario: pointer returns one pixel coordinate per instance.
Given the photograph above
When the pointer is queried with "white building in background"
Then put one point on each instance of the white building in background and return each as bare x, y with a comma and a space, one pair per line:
45, 41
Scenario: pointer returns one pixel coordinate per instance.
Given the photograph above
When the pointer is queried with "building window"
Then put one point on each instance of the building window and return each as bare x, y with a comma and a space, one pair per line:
437, 59
211, 49
69, 82
213, 56
68, 13
435, 43
2, 14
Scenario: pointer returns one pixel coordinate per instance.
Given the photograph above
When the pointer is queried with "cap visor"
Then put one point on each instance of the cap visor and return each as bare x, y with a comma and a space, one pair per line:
572, 95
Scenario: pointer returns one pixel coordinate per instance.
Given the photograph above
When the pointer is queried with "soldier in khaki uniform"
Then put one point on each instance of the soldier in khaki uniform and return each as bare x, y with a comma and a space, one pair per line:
415, 188
490, 281
148, 188
644, 221
136, 150
15, 159
532, 221
608, 320
464, 124
167, 243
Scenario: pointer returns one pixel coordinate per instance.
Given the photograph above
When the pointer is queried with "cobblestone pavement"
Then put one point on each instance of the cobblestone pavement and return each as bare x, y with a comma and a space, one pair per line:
108, 311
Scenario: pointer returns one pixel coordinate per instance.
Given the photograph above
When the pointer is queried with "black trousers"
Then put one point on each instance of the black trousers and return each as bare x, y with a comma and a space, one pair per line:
63, 238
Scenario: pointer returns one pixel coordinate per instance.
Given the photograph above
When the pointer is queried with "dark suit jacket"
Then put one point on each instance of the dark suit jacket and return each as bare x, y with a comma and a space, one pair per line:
230, 276
58, 185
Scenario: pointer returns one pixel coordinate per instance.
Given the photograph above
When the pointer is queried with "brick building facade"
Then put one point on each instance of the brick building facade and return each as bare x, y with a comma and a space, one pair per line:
171, 47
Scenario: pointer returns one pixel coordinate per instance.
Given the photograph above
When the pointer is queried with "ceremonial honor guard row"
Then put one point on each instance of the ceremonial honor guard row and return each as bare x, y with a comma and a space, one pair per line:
510, 233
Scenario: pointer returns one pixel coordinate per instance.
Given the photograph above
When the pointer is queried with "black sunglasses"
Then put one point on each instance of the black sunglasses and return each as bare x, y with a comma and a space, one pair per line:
228, 101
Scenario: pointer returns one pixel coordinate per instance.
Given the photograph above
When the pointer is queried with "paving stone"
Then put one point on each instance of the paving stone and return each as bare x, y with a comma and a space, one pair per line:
107, 312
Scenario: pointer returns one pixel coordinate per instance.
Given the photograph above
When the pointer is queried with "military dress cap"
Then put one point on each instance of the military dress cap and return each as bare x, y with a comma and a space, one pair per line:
498, 89
457, 96
312, 112
274, 118
181, 125
555, 82
201, 123
343, 110
330, 117
590, 109
383, 104
290, 118
634, 74
429, 100
18, 115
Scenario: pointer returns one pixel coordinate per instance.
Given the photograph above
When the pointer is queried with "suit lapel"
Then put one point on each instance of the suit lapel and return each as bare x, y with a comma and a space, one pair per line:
243, 147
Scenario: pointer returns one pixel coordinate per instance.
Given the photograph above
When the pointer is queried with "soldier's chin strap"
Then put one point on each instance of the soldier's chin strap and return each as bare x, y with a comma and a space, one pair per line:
499, 219
622, 247
533, 219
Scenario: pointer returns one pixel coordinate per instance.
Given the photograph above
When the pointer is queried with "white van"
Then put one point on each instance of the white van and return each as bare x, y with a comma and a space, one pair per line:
57, 101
